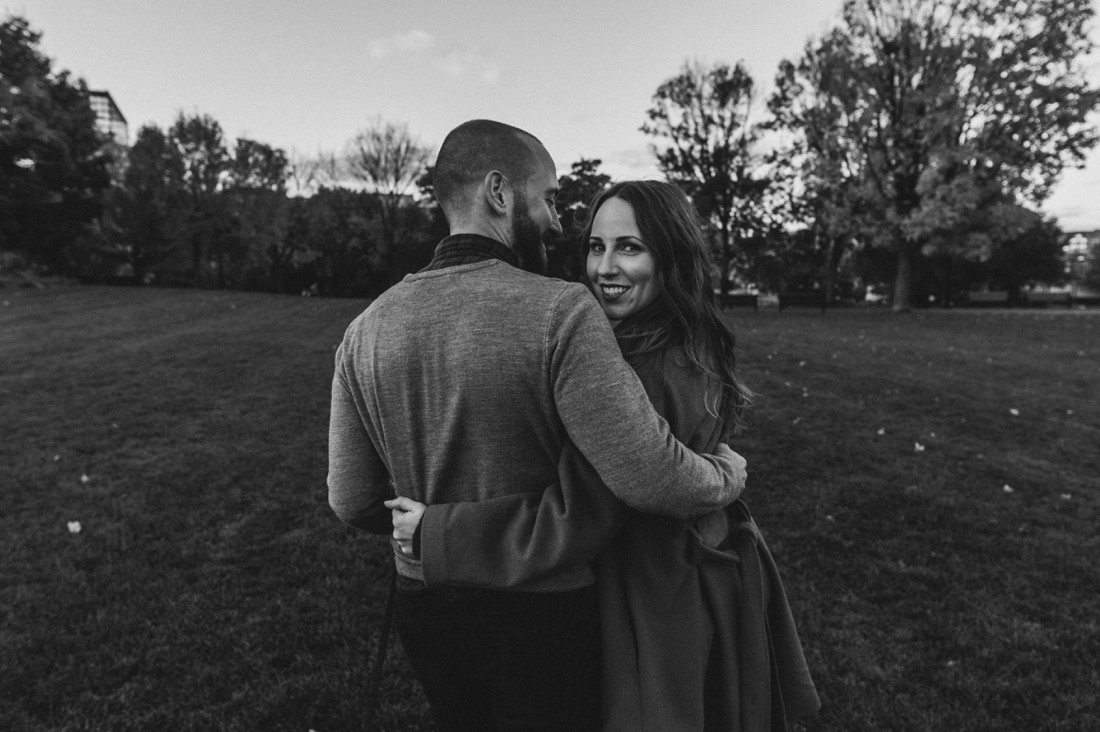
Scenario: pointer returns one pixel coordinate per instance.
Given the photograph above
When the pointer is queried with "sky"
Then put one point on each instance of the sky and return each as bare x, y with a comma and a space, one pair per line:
306, 76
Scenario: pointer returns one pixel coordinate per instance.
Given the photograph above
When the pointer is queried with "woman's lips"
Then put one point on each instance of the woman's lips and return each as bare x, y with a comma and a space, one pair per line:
611, 293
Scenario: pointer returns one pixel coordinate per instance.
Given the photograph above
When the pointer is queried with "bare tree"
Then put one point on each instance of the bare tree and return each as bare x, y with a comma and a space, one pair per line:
388, 160
308, 175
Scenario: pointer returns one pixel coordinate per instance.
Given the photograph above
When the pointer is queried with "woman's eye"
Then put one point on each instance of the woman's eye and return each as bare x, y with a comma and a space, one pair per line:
595, 246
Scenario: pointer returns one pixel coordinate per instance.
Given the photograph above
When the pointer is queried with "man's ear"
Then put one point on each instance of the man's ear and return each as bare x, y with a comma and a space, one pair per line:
497, 192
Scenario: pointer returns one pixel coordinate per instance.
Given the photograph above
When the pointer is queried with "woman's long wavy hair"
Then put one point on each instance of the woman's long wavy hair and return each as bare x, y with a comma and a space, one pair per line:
685, 312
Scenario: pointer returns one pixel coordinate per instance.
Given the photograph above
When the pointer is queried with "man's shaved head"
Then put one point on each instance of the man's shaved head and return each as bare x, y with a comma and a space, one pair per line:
473, 149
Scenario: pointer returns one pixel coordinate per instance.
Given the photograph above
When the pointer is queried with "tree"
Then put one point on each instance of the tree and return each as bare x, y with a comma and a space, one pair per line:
307, 175
705, 116
337, 242
819, 171
256, 183
576, 191
948, 108
388, 160
150, 201
1029, 254
199, 143
53, 167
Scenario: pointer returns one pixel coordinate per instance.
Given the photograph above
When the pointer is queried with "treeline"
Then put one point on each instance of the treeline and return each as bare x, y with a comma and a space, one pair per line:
191, 208
188, 206
905, 152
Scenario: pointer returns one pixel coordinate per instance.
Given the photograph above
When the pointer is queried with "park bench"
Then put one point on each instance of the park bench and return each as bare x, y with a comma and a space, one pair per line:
730, 300
1042, 299
802, 299
979, 298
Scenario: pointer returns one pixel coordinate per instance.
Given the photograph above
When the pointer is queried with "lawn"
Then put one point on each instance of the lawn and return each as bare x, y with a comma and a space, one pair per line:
929, 484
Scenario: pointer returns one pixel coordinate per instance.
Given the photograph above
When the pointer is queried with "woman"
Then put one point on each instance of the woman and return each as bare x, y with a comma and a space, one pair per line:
681, 649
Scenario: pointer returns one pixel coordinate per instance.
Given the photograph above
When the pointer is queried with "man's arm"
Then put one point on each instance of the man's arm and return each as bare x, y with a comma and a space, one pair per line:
358, 481
608, 416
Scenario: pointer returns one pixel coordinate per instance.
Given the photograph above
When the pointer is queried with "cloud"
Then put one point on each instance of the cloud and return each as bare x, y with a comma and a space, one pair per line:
469, 63
633, 162
463, 62
414, 41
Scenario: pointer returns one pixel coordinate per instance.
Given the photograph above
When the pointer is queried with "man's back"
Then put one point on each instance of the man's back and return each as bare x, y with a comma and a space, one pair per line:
452, 367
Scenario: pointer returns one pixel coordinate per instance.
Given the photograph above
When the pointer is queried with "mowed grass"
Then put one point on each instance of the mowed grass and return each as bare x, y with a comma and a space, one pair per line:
210, 586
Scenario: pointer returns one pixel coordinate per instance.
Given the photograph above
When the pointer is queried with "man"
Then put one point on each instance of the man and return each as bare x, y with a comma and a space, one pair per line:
465, 382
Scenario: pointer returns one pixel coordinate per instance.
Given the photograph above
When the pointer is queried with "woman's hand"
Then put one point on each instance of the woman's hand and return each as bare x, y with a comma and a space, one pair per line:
406, 517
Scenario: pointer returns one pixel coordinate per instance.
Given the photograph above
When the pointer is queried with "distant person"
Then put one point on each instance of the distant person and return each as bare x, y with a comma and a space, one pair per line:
466, 382
694, 616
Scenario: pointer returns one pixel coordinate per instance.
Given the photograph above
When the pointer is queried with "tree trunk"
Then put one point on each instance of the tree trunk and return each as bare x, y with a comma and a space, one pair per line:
903, 281
830, 267
727, 259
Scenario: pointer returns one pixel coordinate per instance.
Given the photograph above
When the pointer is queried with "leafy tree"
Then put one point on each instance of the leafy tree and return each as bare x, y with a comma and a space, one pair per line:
1030, 254
337, 242
819, 171
256, 183
705, 117
150, 201
53, 168
576, 191
947, 108
199, 143
389, 161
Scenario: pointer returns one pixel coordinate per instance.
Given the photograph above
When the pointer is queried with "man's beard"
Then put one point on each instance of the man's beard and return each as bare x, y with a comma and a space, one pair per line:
528, 242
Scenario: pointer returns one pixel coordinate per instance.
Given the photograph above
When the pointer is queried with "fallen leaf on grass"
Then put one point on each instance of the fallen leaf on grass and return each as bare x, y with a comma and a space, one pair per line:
1067, 496
1014, 412
881, 431
84, 478
74, 527
1008, 489
918, 447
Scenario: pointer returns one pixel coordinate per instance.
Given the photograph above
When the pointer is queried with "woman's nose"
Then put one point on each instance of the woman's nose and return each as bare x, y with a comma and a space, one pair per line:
607, 266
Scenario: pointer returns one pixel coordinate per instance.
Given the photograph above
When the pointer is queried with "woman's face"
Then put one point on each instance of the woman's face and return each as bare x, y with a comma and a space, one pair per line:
621, 269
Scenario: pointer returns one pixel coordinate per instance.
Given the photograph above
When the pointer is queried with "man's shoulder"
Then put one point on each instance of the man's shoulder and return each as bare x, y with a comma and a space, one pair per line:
534, 283
461, 291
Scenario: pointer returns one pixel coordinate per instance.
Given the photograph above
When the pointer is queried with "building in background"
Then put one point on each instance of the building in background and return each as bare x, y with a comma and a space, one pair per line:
108, 117
1082, 254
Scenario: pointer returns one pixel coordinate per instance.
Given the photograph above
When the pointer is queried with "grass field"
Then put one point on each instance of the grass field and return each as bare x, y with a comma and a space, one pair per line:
928, 483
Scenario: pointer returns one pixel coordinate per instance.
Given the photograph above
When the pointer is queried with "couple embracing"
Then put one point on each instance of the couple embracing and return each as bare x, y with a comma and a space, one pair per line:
550, 461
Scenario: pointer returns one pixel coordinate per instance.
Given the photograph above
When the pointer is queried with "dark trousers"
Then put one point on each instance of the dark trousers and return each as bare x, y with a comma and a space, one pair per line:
492, 660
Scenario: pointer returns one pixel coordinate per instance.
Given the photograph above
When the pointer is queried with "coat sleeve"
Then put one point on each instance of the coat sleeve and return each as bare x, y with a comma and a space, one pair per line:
508, 541
358, 481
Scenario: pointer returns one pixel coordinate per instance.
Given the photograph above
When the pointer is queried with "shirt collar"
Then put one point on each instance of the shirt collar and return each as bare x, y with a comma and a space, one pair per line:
468, 249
